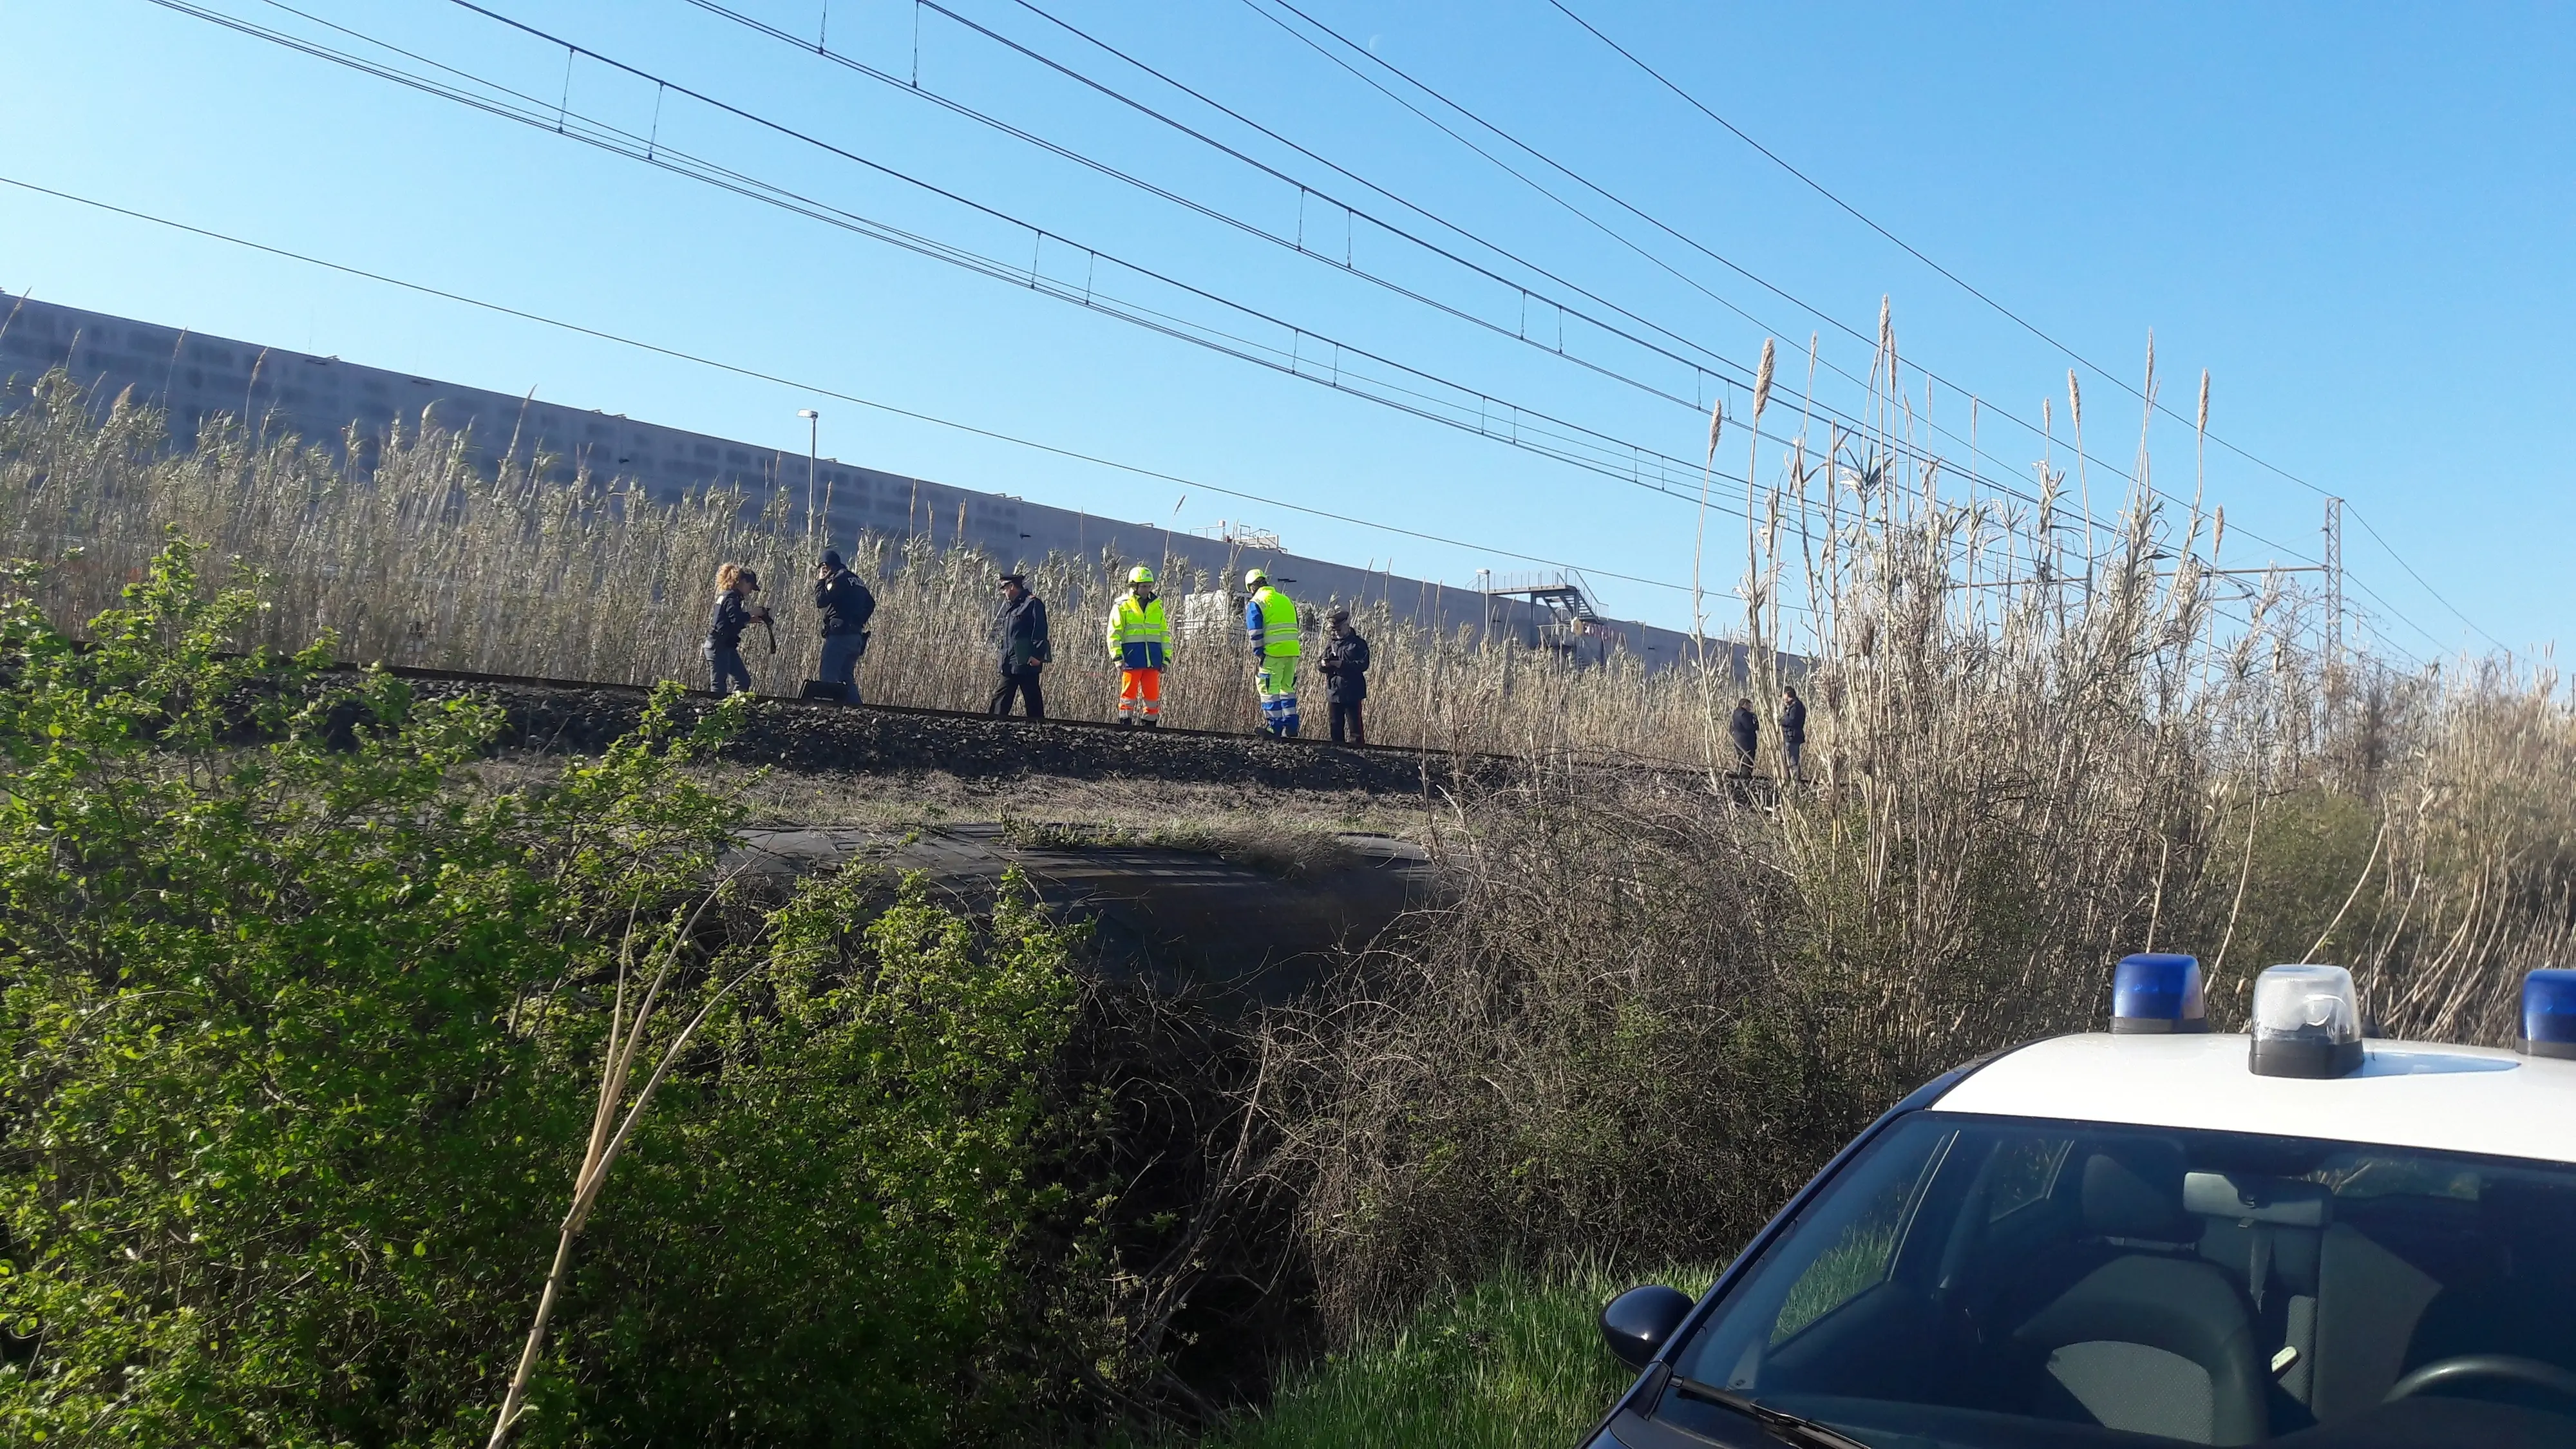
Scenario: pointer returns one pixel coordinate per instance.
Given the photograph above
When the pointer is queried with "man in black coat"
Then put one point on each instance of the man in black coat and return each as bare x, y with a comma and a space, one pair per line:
1746, 727
1793, 732
1020, 646
846, 606
1345, 664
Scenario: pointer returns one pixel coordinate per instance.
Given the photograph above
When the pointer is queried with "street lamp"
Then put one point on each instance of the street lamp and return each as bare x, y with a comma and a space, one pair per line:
813, 434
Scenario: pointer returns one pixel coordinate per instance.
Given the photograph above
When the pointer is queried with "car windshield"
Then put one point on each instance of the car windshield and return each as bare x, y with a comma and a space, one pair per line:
1983, 1281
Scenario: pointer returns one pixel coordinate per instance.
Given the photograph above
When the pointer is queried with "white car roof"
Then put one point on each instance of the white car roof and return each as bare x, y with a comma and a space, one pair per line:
2406, 1094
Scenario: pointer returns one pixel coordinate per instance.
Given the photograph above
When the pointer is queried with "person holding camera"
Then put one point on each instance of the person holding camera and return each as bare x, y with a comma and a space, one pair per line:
846, 606
734, 612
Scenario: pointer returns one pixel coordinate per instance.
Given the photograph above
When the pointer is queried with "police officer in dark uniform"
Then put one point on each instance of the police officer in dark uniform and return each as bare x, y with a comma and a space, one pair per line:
846, 606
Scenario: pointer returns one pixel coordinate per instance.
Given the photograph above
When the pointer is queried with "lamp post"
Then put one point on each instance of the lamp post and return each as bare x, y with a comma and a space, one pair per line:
813, 434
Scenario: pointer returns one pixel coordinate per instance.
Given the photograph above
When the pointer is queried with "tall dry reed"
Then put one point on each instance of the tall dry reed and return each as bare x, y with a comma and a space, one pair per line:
428, 560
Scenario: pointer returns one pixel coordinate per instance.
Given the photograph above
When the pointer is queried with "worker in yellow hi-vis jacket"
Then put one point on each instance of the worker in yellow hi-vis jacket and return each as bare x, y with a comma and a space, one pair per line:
1270, 618
1141, 641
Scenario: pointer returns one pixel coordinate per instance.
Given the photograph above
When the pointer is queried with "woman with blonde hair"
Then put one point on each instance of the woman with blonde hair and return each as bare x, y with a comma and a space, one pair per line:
734, 612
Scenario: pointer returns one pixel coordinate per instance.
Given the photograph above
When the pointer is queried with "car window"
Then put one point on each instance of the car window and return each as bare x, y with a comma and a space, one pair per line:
1976, 1281
1857, 1262
2024, 1171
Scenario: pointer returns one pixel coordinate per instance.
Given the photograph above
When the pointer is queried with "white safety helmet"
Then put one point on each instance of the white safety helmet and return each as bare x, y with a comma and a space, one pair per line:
1253, 578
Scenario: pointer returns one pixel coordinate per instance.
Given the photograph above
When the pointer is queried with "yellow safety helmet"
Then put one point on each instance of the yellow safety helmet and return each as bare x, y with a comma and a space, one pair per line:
1254, 576
1140, 575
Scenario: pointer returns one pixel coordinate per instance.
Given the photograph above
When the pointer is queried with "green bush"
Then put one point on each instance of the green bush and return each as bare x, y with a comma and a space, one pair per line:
301, 1032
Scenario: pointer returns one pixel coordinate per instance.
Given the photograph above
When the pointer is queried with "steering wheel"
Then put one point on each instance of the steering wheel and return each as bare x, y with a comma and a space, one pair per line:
2442, 1373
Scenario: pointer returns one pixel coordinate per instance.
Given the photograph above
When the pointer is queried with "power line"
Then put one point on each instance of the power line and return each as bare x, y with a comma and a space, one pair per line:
1494, 418
1717, 364
1257, 7
1672, 475
757, 375
1667, 466
2420, 581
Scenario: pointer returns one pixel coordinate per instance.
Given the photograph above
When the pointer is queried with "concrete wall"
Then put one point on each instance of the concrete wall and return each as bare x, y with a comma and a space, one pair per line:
196, 377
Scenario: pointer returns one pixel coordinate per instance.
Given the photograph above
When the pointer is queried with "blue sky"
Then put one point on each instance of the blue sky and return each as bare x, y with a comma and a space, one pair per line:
2357, 217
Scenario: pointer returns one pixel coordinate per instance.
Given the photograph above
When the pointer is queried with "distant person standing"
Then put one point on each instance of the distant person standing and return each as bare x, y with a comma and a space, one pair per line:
1021, 646
1140, 641
846, 606
1793, 732
734, 612
1746, 727
1345, 663
1270, 618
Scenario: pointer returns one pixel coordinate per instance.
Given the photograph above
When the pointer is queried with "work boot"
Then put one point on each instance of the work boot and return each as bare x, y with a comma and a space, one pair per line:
1153, 724
1126, 723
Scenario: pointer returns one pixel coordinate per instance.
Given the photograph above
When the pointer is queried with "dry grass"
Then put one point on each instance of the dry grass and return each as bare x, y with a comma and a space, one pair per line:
426, 561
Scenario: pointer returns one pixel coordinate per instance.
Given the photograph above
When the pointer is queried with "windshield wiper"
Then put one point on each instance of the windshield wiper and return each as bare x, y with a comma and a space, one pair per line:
1782, 1425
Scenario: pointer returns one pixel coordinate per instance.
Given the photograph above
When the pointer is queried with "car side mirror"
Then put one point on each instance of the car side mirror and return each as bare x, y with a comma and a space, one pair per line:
1636, 1323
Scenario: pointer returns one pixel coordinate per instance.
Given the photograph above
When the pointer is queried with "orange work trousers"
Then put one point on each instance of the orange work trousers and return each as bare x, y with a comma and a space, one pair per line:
1140, 695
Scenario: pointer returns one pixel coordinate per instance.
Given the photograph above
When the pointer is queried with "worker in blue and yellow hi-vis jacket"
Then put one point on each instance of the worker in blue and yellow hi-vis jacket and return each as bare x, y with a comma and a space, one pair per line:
1270, 618
1141, 642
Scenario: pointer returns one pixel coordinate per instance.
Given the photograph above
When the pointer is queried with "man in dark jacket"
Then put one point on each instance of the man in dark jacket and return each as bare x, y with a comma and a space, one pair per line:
1020, 645
846, 606
1793, 732
1746, 727
1345, 664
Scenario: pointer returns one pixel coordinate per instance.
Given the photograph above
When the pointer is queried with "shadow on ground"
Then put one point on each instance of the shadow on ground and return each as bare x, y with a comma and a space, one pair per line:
1188, 922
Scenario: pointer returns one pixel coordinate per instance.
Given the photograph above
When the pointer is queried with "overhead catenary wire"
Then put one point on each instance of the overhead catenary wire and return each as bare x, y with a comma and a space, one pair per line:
1259, 7
1716, 364
1669, 470
1497, 419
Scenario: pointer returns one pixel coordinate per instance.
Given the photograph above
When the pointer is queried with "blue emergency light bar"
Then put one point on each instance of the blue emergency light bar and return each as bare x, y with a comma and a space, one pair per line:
2157, 992
2549, 1013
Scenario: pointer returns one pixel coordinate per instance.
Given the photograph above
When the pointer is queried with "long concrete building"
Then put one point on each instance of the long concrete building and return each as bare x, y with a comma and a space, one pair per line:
195, 377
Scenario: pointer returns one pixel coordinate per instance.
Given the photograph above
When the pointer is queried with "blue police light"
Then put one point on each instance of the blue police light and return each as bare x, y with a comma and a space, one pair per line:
2549, 1013
2156, 992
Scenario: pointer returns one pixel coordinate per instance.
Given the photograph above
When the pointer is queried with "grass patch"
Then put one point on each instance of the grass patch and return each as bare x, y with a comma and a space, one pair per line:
1290, 851
1513, 1363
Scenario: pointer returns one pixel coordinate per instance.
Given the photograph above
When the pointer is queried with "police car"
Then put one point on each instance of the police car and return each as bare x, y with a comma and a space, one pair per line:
2157, 1235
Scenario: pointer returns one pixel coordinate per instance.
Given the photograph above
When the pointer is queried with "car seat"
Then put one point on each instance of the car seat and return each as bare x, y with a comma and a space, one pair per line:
2155, 1340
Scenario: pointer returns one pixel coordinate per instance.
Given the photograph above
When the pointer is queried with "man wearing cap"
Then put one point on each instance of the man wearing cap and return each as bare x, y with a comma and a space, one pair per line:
1020, 645
1345, 663
846, 606
1139, 641
1270, 618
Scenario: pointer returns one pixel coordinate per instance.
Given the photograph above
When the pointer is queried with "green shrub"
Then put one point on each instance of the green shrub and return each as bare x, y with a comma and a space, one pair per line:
301, 1032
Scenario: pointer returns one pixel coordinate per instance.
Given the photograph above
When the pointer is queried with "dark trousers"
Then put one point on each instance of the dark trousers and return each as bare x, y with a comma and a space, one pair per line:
1025, 685
1744, 757
1347, 713
841, 661
1797, 751
726, 665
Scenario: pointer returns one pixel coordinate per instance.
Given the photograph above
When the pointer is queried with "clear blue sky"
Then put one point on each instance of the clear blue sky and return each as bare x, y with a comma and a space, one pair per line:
2359, 218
